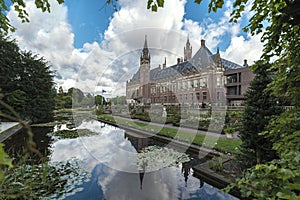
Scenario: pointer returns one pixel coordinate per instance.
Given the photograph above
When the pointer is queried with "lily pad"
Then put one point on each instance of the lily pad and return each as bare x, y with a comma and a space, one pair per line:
154, 158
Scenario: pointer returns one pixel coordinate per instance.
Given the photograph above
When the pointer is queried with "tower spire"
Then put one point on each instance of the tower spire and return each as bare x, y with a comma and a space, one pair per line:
187, 50
145, 56
145, 44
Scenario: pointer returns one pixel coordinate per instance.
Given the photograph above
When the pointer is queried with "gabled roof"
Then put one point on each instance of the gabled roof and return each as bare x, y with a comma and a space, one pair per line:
136, 76
230, 65
172, 71
203, 58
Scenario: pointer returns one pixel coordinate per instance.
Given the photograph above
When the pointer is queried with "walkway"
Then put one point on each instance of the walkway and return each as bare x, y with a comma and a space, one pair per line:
7, 125
234, 136
7, 129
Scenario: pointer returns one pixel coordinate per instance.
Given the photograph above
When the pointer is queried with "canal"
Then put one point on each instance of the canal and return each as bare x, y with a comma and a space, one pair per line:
121, 165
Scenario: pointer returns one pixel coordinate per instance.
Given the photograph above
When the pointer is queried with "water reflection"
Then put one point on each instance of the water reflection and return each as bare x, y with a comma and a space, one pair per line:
111, 158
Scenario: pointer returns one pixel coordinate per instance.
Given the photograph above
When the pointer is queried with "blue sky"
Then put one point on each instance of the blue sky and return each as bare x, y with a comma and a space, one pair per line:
93, 47
90, 20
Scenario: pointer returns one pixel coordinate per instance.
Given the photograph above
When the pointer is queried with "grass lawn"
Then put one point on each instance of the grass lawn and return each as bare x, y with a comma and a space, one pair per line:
219, 144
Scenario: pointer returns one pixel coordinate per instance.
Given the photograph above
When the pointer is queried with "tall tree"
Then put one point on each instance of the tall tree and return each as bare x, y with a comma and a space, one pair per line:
260, 108
26, 82
61, 91
99, 100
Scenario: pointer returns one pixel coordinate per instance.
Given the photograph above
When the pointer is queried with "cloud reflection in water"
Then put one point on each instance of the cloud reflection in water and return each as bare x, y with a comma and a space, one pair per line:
108, 156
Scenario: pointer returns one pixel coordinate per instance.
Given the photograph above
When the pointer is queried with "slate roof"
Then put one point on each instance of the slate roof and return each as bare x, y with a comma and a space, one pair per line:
202, 59
172, 71
136, 76
230, 65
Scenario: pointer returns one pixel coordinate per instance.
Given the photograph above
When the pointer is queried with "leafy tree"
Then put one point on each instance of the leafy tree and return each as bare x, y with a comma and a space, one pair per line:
99, 100
260, 107
26, 83
63, 100
61, 91
279, 178
279, 19
20, 7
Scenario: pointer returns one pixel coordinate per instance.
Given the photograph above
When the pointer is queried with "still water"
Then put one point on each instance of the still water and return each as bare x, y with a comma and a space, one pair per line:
120, 169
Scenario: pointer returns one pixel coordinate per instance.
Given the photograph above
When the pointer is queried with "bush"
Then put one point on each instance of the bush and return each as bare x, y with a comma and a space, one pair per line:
216, 164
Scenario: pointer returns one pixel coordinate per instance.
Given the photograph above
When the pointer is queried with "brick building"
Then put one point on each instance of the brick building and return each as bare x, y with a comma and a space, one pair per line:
202, 78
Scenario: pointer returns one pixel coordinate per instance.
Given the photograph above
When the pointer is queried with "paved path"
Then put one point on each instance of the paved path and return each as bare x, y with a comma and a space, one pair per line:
234, 136
7, 129
7, 125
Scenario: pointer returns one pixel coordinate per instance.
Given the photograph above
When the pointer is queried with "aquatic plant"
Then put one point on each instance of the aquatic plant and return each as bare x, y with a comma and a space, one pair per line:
64, 134
48, 180
153, 158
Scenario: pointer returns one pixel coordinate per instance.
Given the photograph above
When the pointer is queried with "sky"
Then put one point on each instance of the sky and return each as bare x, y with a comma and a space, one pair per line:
93, 47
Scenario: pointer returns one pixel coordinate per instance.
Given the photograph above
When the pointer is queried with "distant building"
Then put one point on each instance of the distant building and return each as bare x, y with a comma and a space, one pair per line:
194, 80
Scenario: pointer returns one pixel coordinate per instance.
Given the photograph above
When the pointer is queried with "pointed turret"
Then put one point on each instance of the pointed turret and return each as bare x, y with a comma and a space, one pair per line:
144, 70
218, 60
187, 50
145, 57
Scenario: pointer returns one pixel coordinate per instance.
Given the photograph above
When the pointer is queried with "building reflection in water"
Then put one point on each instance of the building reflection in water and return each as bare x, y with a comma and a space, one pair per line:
186, 171
138, 143
110, 174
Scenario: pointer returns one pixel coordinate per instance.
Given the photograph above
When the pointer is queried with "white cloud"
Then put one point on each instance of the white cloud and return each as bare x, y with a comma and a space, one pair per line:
109, 64
241, 48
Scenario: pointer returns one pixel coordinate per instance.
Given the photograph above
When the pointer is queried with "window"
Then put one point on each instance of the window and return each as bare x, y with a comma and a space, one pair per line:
219, 82
240, 90
218, 96
191, 84
204, 83
180, 85
198, 96
232, 90
232, 78
198, 83
185, 85
185, 97
240, 77
192, 96
204, 96
173, 87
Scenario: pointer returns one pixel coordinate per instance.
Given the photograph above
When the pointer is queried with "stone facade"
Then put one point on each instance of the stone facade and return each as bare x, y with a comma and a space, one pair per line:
202, 78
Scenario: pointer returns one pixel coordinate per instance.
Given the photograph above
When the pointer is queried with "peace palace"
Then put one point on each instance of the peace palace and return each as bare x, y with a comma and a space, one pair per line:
202, 78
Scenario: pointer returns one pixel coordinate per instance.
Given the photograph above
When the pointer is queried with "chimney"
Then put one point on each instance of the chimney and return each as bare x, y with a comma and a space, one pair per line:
165, 64
245, 63
202, 43
159, 66
178, 60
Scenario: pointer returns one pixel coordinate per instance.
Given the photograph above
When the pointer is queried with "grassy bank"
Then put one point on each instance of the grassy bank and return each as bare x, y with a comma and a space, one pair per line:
219, 144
